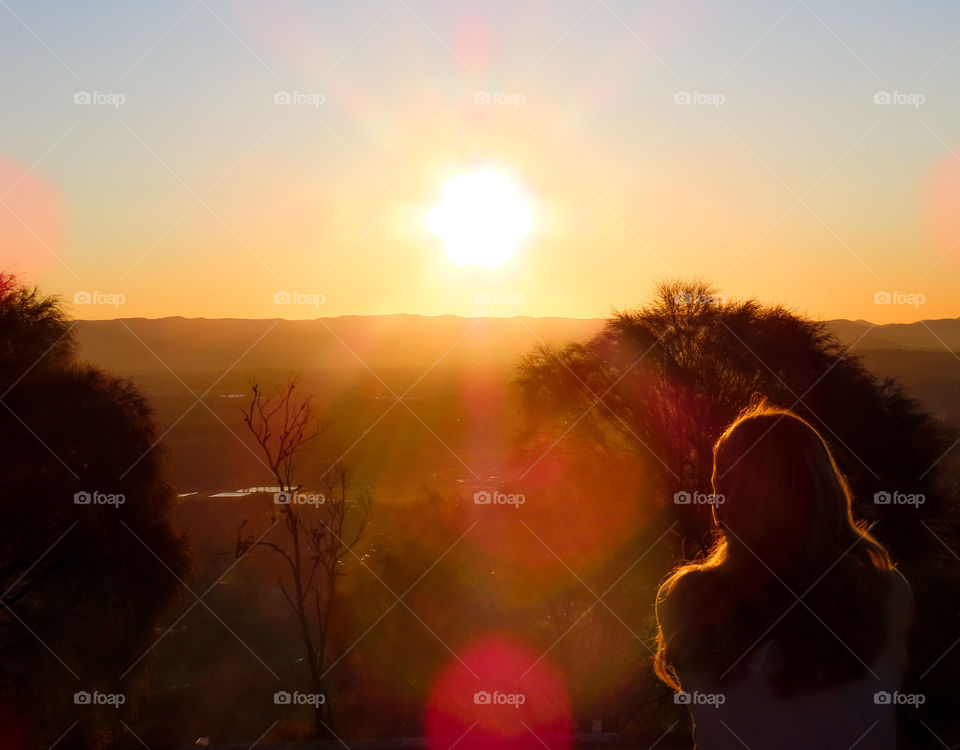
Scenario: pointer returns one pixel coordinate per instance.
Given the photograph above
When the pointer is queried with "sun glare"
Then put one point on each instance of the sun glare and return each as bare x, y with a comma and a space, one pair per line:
481, 218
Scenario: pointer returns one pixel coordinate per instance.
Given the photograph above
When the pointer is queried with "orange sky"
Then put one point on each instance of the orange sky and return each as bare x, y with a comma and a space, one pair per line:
694, 140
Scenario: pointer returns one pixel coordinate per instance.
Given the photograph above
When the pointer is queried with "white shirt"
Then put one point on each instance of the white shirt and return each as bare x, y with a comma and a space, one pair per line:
859, 713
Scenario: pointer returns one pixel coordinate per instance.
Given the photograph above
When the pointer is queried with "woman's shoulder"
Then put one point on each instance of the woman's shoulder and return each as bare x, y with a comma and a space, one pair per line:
683, 583
686, 588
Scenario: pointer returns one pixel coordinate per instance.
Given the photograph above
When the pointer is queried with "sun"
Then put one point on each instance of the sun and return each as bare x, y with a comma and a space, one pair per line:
481, 218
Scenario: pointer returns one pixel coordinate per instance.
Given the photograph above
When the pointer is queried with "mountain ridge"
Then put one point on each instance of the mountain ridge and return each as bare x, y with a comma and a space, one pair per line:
397, 340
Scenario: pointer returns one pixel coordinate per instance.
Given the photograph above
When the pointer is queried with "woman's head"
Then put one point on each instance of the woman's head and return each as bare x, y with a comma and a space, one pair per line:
781, 499
790, 564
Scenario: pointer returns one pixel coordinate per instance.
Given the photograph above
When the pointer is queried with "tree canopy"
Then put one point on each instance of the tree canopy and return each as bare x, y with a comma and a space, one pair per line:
83, 576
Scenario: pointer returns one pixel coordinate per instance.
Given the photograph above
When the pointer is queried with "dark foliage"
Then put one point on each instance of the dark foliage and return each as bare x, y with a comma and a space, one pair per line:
81, 584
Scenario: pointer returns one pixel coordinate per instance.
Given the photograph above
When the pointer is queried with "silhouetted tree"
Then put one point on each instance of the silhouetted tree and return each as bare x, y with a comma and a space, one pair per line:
81, 584
322, 526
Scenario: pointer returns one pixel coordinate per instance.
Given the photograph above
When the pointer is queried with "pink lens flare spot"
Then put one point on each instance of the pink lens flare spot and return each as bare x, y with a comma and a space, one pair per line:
30, 221
941, 208
500, 693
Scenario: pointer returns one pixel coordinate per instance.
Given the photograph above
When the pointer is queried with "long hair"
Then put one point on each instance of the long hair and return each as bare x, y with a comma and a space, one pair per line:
790, 565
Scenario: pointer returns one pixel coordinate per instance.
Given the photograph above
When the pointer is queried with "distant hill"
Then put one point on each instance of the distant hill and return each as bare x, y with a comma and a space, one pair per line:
384, 341
348, 342
934, 335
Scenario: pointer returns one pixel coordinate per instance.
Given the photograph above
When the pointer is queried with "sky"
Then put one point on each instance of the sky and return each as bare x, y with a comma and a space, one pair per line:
232, 158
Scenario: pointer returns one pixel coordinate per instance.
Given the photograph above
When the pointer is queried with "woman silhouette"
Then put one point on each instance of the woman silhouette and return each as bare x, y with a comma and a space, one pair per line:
792, 632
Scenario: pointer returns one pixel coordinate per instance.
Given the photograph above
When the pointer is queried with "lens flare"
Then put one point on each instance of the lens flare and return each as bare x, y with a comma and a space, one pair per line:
499, 693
